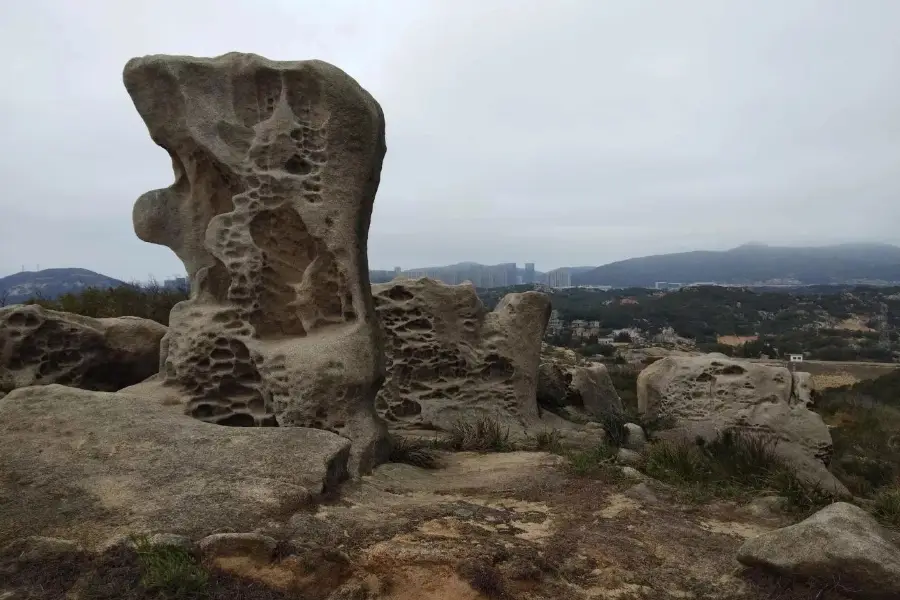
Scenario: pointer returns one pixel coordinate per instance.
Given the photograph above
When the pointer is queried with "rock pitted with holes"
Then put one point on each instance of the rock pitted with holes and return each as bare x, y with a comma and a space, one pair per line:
40, 346
704, 396
449, 358
276, 168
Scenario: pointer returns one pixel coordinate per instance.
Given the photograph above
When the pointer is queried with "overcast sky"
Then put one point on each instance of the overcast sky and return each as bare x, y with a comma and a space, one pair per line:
564, 132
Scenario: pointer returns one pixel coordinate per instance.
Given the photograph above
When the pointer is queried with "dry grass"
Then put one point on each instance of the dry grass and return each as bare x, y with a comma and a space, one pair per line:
486, 434
418, 452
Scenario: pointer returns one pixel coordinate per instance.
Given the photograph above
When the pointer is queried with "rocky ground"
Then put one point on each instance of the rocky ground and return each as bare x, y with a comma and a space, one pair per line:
503, 525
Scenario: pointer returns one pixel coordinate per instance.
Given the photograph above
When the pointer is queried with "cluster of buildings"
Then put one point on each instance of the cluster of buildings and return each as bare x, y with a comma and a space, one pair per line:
490, 276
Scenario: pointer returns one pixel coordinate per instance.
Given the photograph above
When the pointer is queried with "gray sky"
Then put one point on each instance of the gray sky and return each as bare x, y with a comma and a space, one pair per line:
564, 132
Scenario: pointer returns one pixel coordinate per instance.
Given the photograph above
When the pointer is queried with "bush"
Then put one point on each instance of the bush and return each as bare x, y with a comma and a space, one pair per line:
482, 435
413, 451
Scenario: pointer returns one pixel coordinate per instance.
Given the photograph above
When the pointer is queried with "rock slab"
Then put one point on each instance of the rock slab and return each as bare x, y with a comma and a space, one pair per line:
85, 465
703, 396
841, 543
276, 168
450, 358
587, 389
39, 346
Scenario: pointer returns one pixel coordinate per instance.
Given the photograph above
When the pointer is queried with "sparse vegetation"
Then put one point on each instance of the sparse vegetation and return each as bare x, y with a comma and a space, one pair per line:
418, 452
171, 570
887, 506
598, 462
549, 440
865, 420
486, 434
735, 465
614, 422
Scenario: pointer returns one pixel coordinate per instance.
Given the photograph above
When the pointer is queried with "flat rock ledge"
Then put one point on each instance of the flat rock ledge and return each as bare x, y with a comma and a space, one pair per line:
86, 466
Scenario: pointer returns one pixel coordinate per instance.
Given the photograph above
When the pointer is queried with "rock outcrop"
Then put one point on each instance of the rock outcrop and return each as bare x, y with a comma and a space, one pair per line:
703, 396
449, 358
40, 346
840, 544
586, 389
276, 169
88, 465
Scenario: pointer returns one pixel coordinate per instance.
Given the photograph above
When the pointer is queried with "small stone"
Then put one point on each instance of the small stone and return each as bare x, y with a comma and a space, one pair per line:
635, 439
632, 472
253, 545
641, 492
628, 457
37, 548
766, 506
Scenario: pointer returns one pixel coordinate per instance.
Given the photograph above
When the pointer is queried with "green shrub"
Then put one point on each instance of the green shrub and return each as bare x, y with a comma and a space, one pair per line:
170, 569
482, 435
418, 452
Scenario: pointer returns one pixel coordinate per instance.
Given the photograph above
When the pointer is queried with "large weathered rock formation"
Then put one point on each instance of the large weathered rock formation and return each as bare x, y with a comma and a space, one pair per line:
276, 168
704, 396
449, 358
40, 346
88, 465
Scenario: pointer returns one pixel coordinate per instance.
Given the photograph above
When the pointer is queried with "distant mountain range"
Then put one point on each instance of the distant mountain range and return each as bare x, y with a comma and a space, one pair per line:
748, 264
50, 283
754, 263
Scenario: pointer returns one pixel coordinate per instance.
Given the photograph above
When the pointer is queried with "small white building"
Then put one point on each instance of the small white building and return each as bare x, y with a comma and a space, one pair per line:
795, 357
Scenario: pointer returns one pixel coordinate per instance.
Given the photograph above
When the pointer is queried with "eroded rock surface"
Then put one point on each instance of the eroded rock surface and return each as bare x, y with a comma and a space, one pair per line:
40, 346
703, 396
586, 389
841, 544
86, 465
450, 358
276, 168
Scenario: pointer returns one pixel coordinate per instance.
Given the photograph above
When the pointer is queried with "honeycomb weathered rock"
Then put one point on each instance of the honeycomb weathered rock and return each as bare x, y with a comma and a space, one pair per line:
449, 358
276, 168
40, 346
703, 396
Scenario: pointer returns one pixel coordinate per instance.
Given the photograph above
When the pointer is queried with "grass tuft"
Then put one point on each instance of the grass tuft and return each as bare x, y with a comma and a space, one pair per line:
598, 461
417, 452
887, 507
549, 440
482, 435
736, 465
172, 570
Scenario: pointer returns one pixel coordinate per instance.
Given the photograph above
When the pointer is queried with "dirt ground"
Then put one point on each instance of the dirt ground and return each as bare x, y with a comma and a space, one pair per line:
516, 526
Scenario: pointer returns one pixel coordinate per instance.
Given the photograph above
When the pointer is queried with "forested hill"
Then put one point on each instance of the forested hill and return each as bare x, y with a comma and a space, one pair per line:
754, 263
